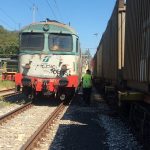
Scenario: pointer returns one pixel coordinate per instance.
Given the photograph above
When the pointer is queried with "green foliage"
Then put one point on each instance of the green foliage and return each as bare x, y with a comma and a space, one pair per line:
9, 42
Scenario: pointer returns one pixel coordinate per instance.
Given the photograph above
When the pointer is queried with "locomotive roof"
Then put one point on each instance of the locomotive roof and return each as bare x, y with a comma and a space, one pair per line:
54, 26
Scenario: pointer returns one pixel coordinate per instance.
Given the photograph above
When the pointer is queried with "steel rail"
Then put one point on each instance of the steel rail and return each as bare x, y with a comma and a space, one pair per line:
11, 94
7, 90
3, 93
42, 130
15, 112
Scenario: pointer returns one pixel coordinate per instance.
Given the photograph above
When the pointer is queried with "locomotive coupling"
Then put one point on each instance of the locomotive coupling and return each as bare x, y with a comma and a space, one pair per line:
44, 85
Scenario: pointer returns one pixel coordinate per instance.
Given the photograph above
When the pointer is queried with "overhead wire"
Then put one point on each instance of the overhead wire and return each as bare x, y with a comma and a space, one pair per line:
58, 10
10, 18
5, 23
48, 2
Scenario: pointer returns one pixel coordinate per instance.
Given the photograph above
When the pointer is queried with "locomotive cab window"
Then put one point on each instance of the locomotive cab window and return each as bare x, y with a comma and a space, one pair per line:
60, 42
32, 41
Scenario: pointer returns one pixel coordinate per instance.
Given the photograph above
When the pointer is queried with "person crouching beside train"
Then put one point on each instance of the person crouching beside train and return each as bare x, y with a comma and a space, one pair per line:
87, 86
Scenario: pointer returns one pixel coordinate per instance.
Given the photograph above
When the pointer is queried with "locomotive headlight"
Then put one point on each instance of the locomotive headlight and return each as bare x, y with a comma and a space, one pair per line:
64, 68
27, 66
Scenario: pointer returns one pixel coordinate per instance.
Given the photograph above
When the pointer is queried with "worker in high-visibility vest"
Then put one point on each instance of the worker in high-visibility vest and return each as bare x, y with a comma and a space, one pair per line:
87, 86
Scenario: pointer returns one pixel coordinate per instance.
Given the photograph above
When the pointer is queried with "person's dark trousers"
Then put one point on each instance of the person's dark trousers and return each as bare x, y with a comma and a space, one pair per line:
87, 95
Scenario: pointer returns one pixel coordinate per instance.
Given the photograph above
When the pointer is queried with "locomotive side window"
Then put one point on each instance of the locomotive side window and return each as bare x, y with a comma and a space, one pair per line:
32, 41
60, 42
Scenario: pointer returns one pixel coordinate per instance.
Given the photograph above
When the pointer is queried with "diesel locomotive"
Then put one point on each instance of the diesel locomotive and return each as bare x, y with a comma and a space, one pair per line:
49, 60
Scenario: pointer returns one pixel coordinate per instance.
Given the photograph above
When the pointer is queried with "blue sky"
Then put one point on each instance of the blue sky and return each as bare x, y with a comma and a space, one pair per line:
87, 17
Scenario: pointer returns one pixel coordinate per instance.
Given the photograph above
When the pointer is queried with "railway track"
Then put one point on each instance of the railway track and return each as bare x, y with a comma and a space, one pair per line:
9, 92
34, 140
29, 125
15, 112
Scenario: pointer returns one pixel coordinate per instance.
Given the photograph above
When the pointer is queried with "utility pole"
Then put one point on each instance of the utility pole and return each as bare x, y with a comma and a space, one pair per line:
34, 9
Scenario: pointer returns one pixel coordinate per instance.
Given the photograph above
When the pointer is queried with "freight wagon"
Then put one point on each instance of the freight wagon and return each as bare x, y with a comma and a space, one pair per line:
137, 48
109, 58
122, 57
122, 63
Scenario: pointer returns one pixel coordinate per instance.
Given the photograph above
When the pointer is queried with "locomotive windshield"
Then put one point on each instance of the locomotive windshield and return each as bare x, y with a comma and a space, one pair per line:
60, 42
32, 41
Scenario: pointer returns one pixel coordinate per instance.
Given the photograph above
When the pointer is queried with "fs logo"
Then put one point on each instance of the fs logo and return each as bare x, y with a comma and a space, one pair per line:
46, 59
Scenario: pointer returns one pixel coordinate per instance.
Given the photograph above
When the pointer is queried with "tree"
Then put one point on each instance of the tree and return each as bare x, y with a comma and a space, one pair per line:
9, 42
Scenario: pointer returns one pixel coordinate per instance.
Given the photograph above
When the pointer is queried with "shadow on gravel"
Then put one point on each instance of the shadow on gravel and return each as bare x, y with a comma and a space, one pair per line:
22, 99
93, 128
46, 101
16, 99
79, 130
